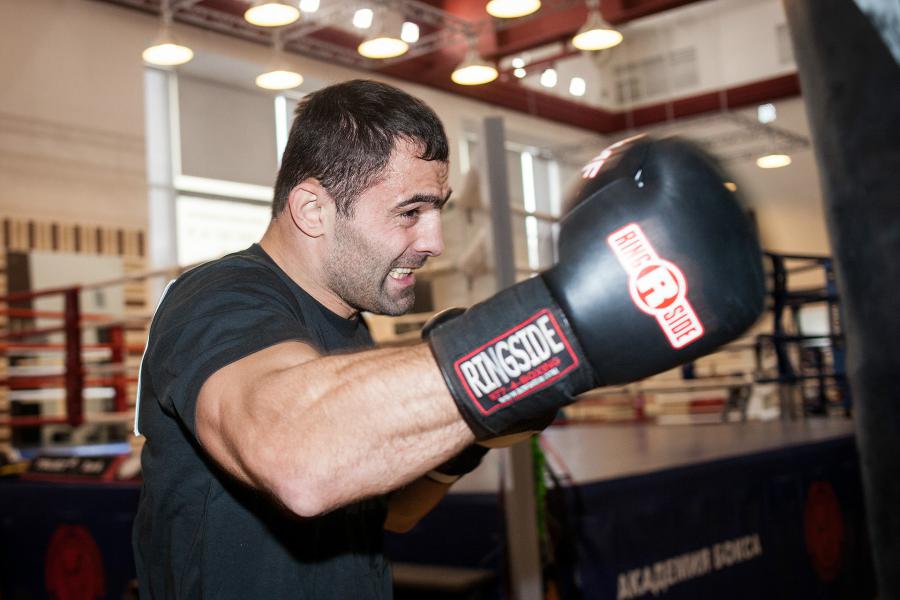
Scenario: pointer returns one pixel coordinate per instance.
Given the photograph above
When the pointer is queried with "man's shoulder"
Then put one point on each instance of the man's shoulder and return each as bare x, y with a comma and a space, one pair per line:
244, 267
247, 272
239, 281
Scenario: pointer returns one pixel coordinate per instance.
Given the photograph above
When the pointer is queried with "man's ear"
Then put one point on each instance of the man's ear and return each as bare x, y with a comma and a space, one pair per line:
307, 204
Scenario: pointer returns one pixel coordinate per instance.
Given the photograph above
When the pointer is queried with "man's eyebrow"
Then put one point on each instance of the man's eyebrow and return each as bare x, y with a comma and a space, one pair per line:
432, 199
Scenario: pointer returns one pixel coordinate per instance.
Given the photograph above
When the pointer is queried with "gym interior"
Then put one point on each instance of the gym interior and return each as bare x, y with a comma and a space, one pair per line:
765, 469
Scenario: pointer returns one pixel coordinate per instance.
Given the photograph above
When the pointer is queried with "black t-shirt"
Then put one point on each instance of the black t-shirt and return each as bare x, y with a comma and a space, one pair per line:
199, 533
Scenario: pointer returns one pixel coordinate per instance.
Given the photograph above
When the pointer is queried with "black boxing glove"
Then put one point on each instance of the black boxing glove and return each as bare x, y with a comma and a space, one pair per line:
658, 265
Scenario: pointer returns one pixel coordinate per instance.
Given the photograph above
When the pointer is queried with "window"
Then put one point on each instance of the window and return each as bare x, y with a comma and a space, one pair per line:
209, 228
223, 169
535, 184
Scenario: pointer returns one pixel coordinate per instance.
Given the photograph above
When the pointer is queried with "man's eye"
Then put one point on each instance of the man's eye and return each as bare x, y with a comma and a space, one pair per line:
410, 214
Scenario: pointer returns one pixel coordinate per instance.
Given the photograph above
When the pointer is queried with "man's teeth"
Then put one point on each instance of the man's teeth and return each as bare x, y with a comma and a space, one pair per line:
400, 273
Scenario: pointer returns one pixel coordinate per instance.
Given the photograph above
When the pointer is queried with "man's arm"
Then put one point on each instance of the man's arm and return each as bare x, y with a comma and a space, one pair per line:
321, 432
409, 504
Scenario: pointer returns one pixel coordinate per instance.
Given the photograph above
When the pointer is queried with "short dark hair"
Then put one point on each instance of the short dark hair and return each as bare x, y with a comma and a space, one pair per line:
343, 135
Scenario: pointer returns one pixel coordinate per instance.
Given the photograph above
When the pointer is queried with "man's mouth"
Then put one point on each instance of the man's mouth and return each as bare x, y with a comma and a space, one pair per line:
400, 273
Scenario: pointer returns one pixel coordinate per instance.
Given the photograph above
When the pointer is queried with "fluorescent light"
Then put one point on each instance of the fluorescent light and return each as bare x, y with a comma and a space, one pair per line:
596, 34
577, 86
548, 78
518, 62
279, 80
520, 73
511, 9
773, 161
382, 47
362, 19
309, 6
271, 14
409, 32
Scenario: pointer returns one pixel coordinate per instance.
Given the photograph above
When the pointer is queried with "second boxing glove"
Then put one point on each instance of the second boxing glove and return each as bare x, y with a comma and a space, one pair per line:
658, 265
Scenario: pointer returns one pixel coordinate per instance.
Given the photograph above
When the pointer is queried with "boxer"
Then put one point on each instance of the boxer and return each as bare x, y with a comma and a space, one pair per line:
279, 444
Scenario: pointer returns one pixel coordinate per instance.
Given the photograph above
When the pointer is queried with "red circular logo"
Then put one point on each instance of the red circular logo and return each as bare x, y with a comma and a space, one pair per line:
823, 526
73, 568
657, 286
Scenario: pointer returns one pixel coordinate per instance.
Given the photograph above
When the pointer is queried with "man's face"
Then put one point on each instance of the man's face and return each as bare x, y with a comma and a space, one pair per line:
394, 228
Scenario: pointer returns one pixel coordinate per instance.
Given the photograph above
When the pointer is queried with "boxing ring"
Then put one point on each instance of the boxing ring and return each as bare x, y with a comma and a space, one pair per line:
78, 370
745, 510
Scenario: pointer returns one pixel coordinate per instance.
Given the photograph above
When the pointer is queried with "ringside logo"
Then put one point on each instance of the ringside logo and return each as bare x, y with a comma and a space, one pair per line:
657, 286
517, 363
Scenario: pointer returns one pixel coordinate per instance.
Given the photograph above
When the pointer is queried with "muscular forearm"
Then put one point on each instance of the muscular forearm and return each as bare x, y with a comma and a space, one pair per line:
324, 432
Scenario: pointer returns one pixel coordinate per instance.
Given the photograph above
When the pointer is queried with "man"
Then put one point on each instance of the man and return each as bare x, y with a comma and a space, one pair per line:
233, 461
274, 435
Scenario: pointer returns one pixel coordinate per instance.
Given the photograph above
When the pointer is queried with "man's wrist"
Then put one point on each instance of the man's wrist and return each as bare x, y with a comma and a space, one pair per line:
466, 461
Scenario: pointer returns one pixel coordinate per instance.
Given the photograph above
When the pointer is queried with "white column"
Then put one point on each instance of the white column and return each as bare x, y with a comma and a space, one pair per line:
521, 521
162, 246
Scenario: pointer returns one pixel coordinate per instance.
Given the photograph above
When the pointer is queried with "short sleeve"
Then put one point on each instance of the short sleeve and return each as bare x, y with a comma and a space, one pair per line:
209, 322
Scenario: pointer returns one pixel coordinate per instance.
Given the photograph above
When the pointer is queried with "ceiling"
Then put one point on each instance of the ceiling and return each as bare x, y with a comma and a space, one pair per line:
445, 24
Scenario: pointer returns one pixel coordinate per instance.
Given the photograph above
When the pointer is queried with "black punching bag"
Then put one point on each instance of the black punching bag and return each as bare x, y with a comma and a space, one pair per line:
847, 53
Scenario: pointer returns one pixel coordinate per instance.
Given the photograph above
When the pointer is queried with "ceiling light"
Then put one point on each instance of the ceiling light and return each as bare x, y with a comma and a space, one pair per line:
167, 53
520, 72
577, 86
596, 34
548, 78
165, 50
362, 19
518, 62
510, 9
309, 6
271, 13
385, 40
409, 32
473, 70
279, 80
765, 113
382, 46
773, 161
279, 76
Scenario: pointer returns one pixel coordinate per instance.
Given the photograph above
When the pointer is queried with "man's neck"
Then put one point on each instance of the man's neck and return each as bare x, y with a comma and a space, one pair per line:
304, 267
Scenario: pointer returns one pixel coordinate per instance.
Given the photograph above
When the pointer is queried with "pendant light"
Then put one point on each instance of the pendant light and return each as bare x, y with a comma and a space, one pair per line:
596, 33
165, 50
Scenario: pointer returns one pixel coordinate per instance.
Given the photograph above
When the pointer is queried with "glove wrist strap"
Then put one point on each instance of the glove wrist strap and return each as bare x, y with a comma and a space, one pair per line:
510, 359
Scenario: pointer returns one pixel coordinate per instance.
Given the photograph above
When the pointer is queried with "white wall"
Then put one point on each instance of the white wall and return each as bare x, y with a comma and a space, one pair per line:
71, 112
787, 201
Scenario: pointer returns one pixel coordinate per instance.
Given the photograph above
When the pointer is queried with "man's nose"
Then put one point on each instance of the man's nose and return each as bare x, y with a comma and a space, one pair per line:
430, 239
